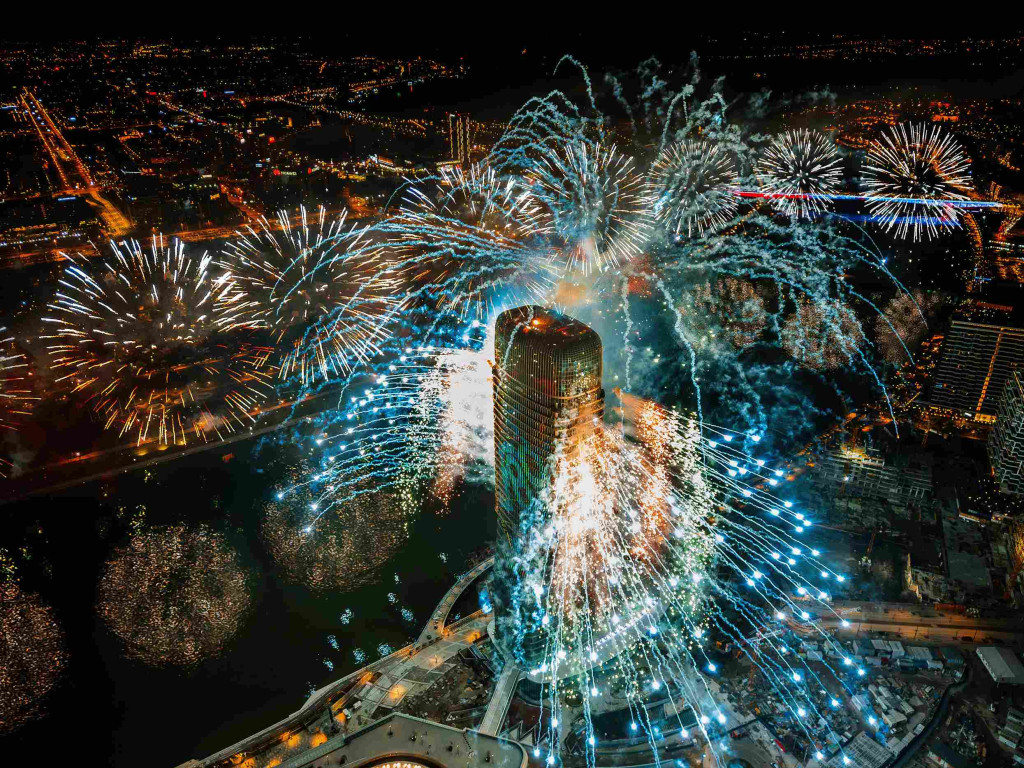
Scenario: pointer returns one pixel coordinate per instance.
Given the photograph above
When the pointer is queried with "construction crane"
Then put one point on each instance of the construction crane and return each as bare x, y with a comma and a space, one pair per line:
865, 562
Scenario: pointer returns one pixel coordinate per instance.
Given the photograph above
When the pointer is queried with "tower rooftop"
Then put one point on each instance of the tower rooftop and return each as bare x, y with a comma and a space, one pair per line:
548, 345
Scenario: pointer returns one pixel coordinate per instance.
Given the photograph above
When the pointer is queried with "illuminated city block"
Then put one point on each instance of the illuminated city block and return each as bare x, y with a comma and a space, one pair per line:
547, 397
1006, 442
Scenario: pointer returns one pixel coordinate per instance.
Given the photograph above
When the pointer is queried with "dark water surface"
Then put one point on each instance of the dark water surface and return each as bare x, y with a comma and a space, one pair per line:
129, 713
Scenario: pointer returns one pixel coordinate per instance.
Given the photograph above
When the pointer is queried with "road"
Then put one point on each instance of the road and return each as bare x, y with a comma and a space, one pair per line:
745, 748
918, 623
72, 171
438, 619
115, 224
47, 255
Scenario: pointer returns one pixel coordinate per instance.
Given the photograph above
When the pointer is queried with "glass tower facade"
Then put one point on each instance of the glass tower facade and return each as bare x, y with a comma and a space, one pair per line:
547, 392
547, 400
1006, 442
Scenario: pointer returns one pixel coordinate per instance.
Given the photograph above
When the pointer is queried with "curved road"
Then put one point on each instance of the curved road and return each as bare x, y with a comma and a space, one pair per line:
323, 696
439, 617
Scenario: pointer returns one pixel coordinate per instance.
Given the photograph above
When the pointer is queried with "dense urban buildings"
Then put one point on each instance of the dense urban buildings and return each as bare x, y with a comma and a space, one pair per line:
866, 471
309, 343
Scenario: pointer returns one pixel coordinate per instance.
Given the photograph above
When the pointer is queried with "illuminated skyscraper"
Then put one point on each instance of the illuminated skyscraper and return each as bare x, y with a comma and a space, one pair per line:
547, 392
459, 138
547, 399
1006, 443
983, 343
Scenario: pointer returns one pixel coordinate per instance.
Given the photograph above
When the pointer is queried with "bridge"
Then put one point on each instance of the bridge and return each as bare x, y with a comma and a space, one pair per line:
439, 618
438, 642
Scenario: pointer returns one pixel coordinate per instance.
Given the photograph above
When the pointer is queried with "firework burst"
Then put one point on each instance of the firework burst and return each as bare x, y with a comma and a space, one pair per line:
16, 396
590, 196
912, 174
347, 546
823, 337
656, 535
32, 655
174, 595
312, 285
799, 171
738, 310
145, 338
692, 188
457, 237
903, 324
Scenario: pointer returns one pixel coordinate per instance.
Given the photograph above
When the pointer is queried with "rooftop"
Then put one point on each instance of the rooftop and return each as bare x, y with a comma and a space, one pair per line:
405, 739
1002, 664
554, 327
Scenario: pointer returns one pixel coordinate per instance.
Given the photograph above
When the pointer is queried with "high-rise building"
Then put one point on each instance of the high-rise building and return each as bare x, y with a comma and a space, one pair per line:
547, 394
982, 345
460, 138
864, 470
547, 401
1006, 443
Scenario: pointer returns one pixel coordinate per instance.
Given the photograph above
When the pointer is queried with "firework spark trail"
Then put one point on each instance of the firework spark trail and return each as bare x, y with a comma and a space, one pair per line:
573, 591
749, 552
315, 289
143, 337
426, 416
916, 162
757, 542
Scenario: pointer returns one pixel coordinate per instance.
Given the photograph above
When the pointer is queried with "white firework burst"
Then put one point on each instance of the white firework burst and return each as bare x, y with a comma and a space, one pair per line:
592, 204
913, 174
799, 171
311, 282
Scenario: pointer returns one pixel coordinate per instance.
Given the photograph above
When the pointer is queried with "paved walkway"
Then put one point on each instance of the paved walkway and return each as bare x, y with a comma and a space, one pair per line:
497, 707
420, 668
